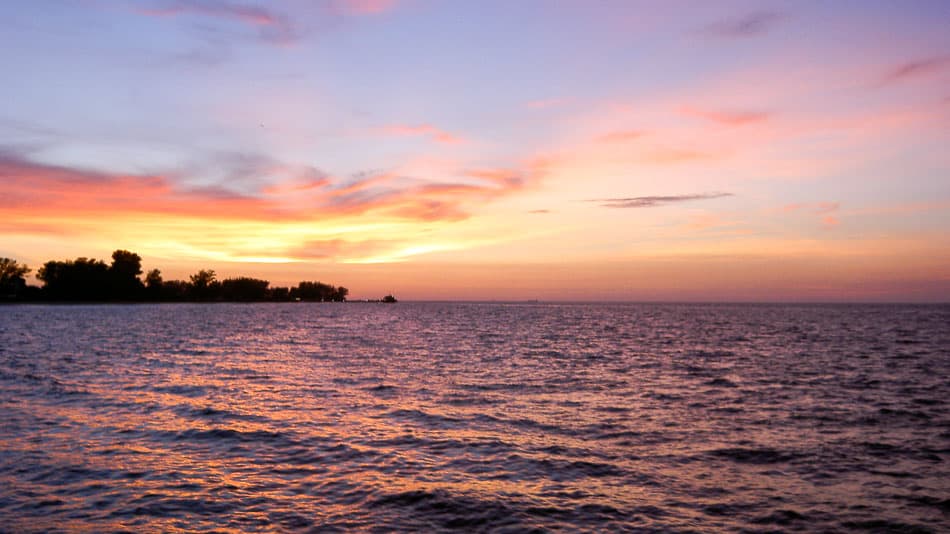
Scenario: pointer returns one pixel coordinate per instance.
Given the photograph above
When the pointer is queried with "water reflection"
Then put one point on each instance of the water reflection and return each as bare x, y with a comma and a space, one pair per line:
427, 417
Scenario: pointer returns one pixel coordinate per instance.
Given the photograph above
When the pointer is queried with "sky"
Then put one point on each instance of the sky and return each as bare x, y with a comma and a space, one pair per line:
490, 150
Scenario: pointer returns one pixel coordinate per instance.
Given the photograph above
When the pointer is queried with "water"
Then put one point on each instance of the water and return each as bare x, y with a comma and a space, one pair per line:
487, 417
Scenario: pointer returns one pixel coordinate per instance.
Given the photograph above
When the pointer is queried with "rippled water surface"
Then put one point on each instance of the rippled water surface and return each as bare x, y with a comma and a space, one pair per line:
157, 418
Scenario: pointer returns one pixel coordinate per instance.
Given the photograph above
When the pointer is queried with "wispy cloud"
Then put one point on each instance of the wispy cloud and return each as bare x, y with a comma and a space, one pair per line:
338, 248
747, 25
620, 136
727, 118
366, 7
297, 186
271, 26
64, 191
916, 69
290, 193
655, 201
672, 156
829, 221
425, 130
393, 194
826, 212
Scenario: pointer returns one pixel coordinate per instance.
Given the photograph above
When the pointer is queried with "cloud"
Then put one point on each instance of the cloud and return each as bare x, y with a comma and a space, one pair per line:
320, 249
655, 201
748, 25
405, 130
505, 179
666, 156
824, 210
58, 191
620, 136
271, 26
916, 69
296, 186
366, 7
542, 211
401, 196
38, 198
728, 118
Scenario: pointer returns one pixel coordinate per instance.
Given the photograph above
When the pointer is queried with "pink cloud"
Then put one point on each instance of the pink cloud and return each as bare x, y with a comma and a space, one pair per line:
825, 210
665, 156
727, 118
620, 136
293, 187
367, 7
334, 248
916, 68
273, 27
746, 25
438, 135
36, 192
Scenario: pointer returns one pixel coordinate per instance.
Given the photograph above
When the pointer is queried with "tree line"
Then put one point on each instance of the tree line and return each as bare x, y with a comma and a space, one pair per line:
91, 280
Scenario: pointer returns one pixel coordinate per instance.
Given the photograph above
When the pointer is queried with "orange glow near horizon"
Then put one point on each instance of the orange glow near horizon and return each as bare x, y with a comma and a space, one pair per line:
458, 177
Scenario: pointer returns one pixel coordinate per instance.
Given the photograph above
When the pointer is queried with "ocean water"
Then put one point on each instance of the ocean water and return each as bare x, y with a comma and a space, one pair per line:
477, 417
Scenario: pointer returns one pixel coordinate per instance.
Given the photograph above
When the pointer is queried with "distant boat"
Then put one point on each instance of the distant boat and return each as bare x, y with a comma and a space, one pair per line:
390, 299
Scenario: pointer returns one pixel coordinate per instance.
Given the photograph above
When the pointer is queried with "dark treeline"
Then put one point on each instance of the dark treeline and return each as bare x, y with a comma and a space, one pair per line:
89, 280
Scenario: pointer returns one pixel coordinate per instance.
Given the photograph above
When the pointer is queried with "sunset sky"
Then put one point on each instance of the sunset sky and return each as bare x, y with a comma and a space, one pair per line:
570, 150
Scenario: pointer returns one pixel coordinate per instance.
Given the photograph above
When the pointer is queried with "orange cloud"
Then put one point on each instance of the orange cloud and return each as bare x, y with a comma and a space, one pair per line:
49, 191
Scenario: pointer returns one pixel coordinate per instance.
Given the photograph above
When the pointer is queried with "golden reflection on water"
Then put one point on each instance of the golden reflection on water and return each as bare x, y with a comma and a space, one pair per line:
235, 418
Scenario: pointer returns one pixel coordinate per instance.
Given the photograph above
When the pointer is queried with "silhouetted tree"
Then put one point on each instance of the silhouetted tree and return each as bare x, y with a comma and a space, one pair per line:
174, 291
85, 279
82, 279
124, 271
318, 291
204, 286
340, 294
244, 289
153, 284
280, 294
12, 279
